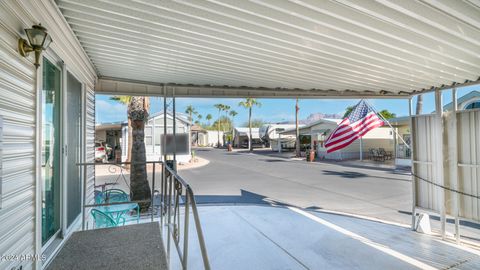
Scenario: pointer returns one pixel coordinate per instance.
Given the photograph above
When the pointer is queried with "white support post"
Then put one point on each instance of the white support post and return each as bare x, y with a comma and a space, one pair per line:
453, 157
412, 153
439, 159
279, 142
361, 149
174, 116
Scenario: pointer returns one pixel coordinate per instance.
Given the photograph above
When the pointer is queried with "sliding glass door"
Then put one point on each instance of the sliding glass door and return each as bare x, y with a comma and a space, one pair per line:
50, 145
73, 141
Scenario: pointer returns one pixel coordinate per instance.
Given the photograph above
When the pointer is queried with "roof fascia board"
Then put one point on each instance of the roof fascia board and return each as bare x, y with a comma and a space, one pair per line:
119, 86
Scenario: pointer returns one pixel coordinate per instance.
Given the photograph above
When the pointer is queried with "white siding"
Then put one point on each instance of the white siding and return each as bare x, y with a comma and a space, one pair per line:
90, 142
17, 106
19, 224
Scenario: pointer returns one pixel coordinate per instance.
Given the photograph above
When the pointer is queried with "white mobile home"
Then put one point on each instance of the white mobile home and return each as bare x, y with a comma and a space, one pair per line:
317, 132
154, 129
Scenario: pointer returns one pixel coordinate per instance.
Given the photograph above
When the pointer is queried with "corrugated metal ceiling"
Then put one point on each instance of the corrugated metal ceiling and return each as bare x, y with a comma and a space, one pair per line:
384, 45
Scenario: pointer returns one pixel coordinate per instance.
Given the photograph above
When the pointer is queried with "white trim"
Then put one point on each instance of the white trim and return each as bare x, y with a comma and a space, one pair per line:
38, 166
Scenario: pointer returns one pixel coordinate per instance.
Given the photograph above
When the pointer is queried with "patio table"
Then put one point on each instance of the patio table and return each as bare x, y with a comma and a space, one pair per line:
117, 211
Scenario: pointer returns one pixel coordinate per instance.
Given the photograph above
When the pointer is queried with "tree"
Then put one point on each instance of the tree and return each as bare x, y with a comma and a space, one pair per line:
208, 117
248, 104
256, 123
223, 122
386, 114
219, 107
190, 110
233, 113
348, 110
138, 111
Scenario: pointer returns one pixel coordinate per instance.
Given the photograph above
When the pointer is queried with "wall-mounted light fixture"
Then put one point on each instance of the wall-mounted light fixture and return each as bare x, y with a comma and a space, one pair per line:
38, 40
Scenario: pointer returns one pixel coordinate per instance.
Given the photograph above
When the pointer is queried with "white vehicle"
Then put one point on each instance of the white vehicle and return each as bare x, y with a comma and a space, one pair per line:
100, 153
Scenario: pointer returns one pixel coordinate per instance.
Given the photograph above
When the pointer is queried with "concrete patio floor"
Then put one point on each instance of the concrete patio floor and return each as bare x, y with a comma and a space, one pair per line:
283, 237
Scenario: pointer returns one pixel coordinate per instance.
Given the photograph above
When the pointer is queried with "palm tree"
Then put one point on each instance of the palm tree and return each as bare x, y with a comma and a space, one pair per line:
233, 113
248, 104
208, 117
219, 108
138, 108
190, 110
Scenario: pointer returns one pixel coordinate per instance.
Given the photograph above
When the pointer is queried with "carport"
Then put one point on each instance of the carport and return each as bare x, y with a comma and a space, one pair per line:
306, 49
302, 49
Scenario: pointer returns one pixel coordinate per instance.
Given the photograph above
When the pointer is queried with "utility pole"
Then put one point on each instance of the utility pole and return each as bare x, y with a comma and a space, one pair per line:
297, 132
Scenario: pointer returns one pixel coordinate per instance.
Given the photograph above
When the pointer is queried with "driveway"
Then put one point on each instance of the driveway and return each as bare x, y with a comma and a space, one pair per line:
242, 177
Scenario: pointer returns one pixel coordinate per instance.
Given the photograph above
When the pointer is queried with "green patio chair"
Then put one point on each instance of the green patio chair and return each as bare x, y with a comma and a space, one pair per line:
99, 197
102, 220
115, 195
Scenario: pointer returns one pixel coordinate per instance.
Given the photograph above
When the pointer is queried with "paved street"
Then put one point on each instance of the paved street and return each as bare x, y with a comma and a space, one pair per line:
241, 177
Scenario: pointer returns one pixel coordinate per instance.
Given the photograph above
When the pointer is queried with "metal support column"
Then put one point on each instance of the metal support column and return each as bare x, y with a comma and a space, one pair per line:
412, 154
440, 158
453, 157
361, 149
174, 116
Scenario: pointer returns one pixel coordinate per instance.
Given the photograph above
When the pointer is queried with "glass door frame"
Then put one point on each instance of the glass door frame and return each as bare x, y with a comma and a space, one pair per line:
52, 58
66, 230
54, 243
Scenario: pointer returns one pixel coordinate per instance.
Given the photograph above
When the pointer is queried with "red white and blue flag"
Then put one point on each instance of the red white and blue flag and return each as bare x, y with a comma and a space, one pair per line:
361, 120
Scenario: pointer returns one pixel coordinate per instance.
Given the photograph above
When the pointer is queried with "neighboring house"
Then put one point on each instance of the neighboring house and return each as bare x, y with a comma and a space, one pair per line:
313, 136
202, 137
271, 137
468, 101
199, 136
110, 133
153, 136
242, 134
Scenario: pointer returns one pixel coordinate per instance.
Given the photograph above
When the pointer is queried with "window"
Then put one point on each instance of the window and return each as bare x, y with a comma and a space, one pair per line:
473, 105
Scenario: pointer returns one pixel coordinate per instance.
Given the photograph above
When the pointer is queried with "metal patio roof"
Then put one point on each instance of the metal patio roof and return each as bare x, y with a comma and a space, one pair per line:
279, 48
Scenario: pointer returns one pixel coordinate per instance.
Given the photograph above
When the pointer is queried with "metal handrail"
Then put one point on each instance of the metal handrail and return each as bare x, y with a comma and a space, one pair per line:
174, 184
171, 190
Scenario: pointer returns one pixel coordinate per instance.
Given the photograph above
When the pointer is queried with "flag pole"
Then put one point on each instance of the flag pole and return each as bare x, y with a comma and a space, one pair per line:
385, 120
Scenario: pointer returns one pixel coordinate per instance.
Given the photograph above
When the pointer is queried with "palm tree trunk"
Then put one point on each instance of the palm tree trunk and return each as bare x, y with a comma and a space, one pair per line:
139, 186
250, 147
129, 139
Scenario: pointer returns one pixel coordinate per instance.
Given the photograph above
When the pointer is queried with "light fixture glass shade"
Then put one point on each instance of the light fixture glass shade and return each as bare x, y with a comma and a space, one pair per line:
46, 43
38, 37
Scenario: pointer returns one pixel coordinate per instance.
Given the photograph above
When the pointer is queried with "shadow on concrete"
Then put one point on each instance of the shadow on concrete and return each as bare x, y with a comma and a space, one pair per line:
273, 160
245, 197
345, 174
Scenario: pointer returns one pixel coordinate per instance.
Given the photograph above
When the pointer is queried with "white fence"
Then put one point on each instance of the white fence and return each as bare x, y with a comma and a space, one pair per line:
446, 159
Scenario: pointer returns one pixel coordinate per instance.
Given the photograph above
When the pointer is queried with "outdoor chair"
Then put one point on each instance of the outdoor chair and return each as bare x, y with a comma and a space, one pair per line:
386, 154
115, 195
99, 197
376, 156
103, 220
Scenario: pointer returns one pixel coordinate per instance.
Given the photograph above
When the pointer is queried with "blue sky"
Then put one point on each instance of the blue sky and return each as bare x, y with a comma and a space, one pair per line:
272, 110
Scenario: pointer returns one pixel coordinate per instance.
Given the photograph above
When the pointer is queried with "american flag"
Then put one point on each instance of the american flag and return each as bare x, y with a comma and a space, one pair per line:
361, 120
